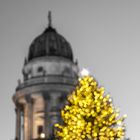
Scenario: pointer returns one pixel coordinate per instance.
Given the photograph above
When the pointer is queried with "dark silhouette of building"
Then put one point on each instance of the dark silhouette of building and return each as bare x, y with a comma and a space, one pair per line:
49, 75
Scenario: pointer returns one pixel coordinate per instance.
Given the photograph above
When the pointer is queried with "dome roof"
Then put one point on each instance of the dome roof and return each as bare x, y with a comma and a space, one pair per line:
50, 43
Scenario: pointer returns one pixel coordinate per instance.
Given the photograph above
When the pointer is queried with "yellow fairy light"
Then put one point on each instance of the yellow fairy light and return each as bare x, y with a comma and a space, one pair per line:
125, 115
90, 114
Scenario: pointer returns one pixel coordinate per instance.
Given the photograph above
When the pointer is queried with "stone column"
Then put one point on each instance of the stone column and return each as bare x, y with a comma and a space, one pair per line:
55, 108
53, 111
18, 122
46, 107
31, 118
46, 118
26, 122
28, 119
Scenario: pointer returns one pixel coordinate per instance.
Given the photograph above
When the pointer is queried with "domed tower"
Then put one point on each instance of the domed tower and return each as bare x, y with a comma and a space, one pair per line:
50, 74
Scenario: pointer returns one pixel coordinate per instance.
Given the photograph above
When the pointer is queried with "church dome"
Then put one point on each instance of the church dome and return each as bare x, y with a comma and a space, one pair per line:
50, 43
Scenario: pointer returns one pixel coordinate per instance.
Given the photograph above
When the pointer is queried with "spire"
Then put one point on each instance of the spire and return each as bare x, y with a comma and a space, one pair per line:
49, 28
49, 19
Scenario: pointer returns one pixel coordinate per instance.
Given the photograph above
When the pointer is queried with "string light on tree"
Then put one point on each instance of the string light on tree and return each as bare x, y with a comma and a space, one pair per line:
84, 72
90, 114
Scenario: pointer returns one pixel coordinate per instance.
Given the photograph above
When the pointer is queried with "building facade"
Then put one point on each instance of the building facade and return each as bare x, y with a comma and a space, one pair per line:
49, 75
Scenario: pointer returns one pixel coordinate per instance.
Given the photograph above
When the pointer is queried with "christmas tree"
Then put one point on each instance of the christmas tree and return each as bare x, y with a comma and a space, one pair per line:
90, 114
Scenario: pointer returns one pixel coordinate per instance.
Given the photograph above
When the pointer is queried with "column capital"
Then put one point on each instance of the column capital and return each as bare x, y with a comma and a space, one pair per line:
19, 107
46, 96
29, 99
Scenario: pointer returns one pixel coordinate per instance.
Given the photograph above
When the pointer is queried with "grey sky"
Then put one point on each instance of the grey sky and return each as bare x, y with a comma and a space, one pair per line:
104, 35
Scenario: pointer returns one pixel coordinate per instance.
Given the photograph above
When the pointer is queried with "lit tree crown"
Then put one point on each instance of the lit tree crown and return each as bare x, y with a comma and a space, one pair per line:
90, 115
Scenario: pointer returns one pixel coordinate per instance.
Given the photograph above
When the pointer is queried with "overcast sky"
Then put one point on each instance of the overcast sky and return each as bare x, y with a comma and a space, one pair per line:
105, 38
